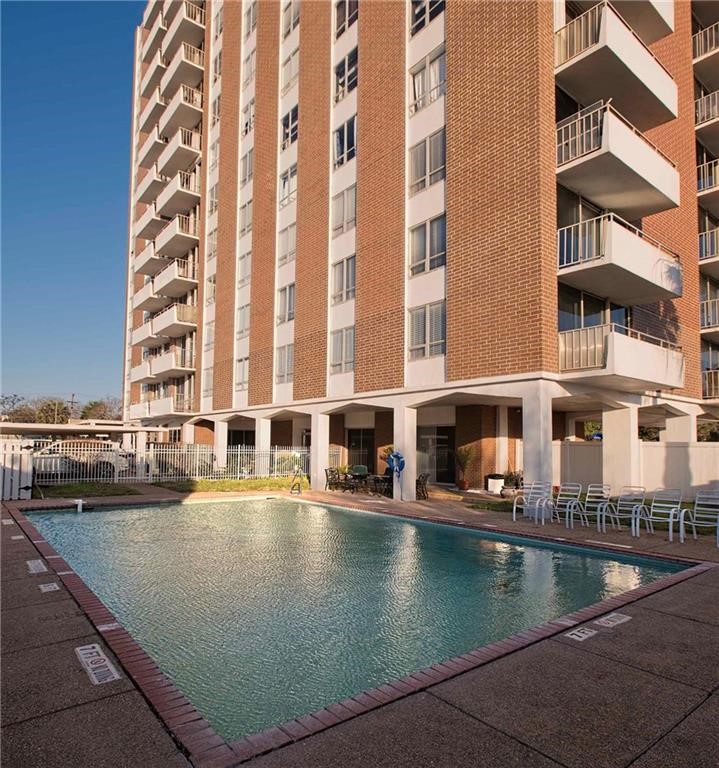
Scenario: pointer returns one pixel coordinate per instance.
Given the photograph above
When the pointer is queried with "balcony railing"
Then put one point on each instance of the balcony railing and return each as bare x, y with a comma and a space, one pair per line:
186, 225
709, 313
188, 182
185, 313
587, 240
185, 268
183, 404
193, 55
710, 384
706, 41
709, 244
706, 108
194, 13
584, 348
708, 175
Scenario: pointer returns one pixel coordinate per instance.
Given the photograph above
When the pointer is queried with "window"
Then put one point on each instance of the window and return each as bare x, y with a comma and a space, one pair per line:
248, 68
288, 185
209, 335
214, 154
243, 321
217, 67
342, 350
218, 23
213, 198
210, 289
246, 164
345, 142
423, 11
344, 210
246, 218
290, 70
428, 250
286, 304
287, 241
346, 75
207, 381
345, 15
212, 244
284, 364
215, 111
427, 330
250, 18
248, 117
289, 127
426, 162
290, 17
428, 81
244, 268
242, 373
343, 280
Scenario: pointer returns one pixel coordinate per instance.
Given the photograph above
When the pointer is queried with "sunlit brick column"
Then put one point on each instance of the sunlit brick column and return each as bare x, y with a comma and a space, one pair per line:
319, 450
537, 433
405, 441
621, 460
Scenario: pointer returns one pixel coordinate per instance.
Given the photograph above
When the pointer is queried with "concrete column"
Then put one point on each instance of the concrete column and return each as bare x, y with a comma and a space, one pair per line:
141, 453
680, 429
537, 433
262, 445
621, 459
126, 441
188, 433
502, 439
319, 450
221, 443
405, 441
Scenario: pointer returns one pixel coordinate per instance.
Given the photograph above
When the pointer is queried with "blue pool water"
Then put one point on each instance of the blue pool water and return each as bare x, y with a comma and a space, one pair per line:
261, 611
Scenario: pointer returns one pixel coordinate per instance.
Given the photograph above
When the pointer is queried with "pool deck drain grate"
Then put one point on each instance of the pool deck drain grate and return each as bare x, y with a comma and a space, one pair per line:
449, 714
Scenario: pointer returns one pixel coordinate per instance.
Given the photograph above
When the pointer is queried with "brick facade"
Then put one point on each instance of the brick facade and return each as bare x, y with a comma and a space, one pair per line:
383, 436
476, 426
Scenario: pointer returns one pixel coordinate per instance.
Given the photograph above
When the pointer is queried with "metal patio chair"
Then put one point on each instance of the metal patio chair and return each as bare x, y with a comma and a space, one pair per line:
532, 500
630, 497
597, 495
665, 508
704, 514
566, 499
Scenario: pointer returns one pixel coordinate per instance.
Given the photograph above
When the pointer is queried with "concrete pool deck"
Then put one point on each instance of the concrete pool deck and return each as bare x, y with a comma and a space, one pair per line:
644, 692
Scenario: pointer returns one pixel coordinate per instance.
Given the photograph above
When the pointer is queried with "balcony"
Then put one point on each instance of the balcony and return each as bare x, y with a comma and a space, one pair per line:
152, 11
188, 26
176, 320
187, 66
706, 112
143, 336
169, 406
621, 358
605, 159
598, 57
709, 253
149, 223
183, 111
148, 262
705, 46
154, 37
181, 152
609, 257
706, 11
181, 194
153, 74
650, 19
151, 149
176, 362
150, 185
139, 410
141, 374
709, 314
177, 278
146, 299
710, 384
177, 238
708, 186
151, 111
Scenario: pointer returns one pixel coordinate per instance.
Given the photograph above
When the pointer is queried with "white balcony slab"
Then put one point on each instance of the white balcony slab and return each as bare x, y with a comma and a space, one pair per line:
147, 299
141, 374
650, 19
184, 110
609, 258
150, 185
177, 238
186, 66
613, 63
154, 39
172, 364
169, 406
156, 68
175, 321
139, 410
150, 149
148, 262
187, 26
176, 279
149, 224
143, 335
152, 111
181, 195
181, 152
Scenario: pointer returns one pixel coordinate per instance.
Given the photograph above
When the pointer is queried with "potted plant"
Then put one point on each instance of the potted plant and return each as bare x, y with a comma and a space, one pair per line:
462, 459
495, 483
512, 482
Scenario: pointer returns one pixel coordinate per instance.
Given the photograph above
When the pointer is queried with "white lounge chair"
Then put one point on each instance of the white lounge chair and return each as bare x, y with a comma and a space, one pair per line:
665, 508
630, 497
567, 498
532, 499
704, 514
597, 495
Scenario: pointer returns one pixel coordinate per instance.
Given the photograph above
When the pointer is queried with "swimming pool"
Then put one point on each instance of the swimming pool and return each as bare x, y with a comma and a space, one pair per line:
261, 611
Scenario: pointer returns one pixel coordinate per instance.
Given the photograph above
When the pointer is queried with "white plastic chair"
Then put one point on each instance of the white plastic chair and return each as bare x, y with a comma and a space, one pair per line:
704, 514
597, 495
567, 498
665, 508
532, 499
630, 497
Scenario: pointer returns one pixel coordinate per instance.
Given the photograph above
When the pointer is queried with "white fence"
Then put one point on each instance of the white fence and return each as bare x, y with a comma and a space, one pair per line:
15, 471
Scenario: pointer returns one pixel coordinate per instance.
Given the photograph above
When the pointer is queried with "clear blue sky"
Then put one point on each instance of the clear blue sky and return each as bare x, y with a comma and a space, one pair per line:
66, 96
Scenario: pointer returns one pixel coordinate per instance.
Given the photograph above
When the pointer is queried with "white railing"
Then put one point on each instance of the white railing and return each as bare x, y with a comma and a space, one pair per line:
193, 55
185, 268
194, 13
710, 384
706, 41
191, 96
577, 36
188, 181
706, 108
709, 244
426, 98
186, 225
708, 175
583, 348
587, 240
190, 138
709, 313
185, 313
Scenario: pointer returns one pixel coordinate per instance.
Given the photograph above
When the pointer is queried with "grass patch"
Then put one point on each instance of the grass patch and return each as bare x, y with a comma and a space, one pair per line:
233, 486
81, 490
494, 506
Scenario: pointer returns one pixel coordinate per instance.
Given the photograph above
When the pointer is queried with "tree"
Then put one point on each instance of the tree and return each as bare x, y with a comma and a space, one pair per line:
53, 411
10, 403
107, 408
708, 431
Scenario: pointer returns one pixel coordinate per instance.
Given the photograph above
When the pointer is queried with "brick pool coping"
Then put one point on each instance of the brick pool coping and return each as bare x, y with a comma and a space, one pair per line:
198, 739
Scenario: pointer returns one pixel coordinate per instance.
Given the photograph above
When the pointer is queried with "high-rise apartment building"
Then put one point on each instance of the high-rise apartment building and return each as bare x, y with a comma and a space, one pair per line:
425, 224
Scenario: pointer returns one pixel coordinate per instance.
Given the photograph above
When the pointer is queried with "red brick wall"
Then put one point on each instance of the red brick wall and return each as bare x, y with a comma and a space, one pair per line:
383, 436
476, 426
380, 265
204, 433
501, 189
337, 430
312, 201
264, 193
280, 431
